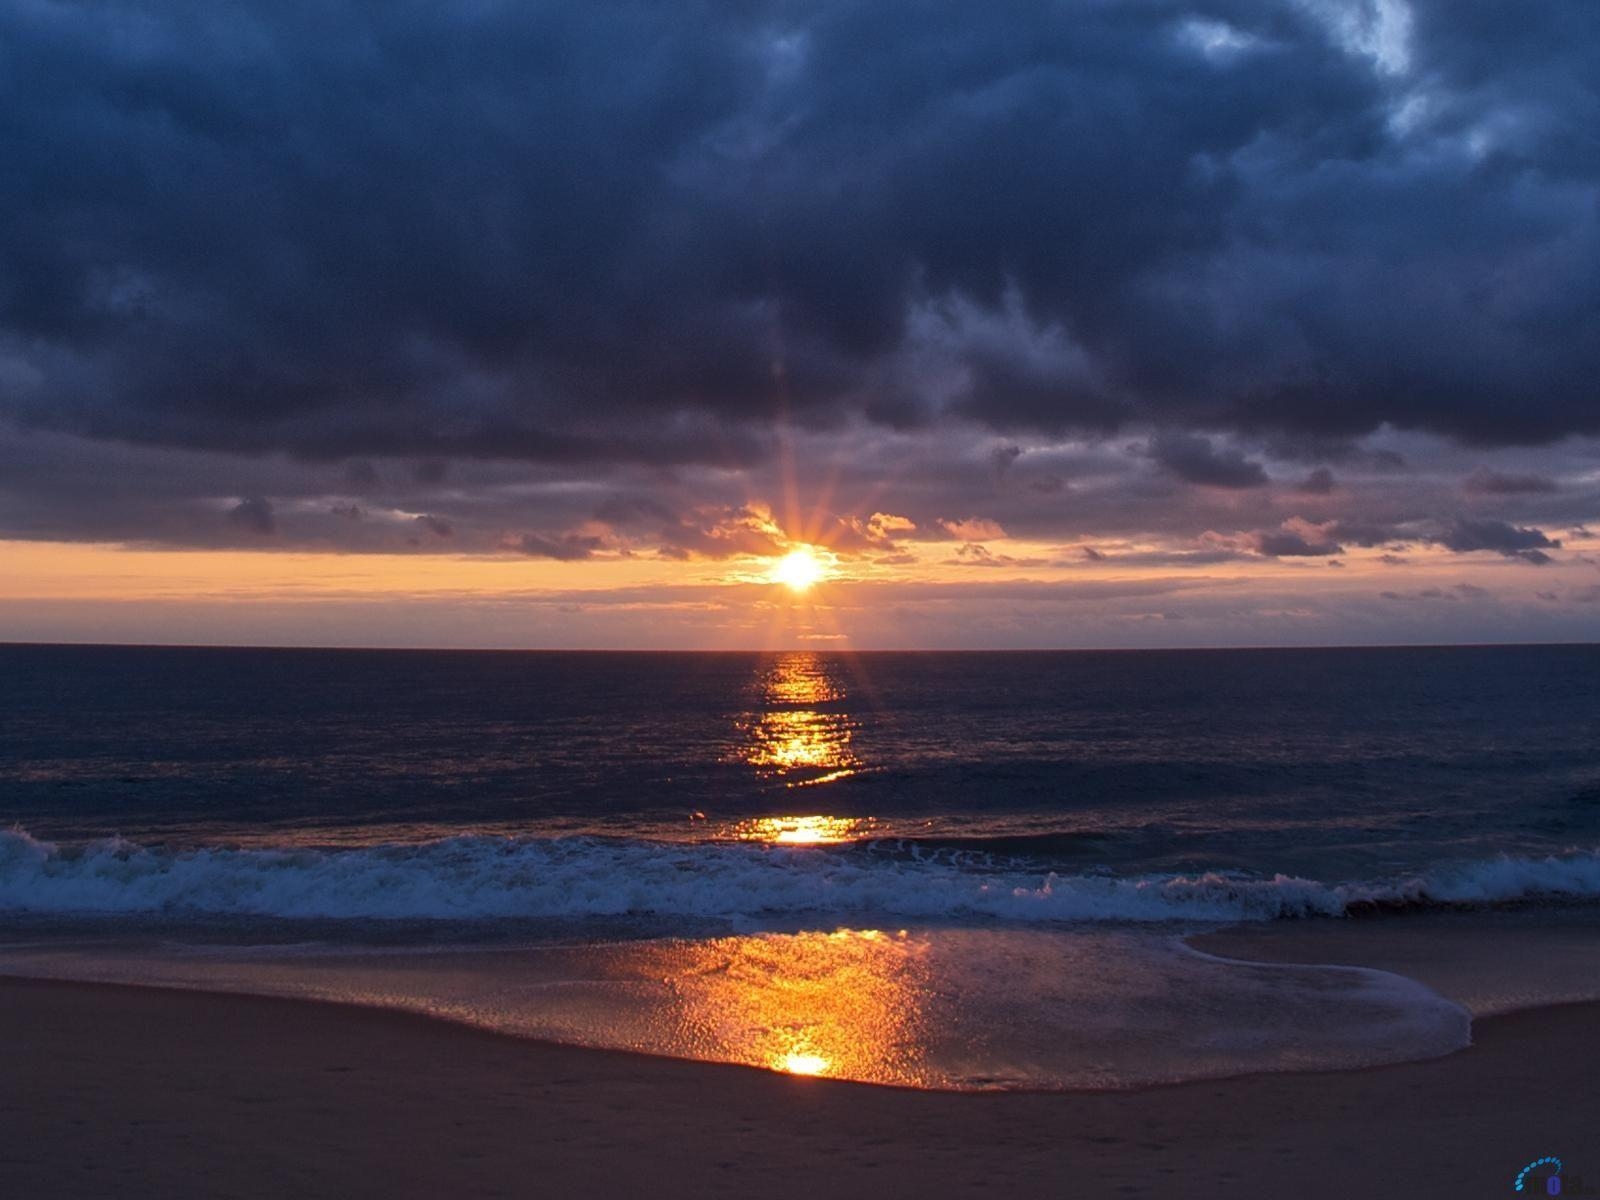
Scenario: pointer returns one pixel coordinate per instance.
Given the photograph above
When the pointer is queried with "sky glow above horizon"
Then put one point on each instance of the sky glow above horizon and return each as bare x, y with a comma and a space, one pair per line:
1247, 322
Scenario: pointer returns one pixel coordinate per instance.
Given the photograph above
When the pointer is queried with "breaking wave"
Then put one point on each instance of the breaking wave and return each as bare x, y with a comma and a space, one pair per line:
492, 878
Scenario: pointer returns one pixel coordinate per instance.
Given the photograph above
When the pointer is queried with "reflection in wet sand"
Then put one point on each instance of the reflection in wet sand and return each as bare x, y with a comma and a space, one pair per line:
960, 1009
844, 1004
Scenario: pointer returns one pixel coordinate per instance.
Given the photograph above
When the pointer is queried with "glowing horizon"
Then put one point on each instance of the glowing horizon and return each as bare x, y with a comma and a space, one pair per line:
760, 350
108, 592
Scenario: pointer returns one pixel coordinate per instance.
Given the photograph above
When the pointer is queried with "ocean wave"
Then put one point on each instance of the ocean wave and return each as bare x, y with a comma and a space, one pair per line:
988, 847
490, 878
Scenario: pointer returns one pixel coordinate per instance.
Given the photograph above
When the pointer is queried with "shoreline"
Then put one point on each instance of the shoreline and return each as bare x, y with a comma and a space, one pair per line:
134, 1090
385, 1012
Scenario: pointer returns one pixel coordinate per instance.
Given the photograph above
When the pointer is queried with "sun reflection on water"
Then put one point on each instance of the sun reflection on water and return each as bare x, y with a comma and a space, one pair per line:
815, 830
798, 730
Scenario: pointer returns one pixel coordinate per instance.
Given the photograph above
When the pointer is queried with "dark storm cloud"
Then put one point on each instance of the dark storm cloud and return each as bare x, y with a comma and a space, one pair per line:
1318, 448
601, 232
1367, 533
566, 548
1195, 460
361, 475
1320, 482
1295, 543
1494, 483
1470, 533
254, 514
1463, 535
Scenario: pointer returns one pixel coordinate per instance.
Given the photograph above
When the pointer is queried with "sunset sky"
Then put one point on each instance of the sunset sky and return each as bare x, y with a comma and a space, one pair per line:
1105, 323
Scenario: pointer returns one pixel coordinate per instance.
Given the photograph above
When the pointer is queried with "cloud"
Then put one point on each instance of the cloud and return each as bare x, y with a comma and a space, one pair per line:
1451, 594
602, 233
1194, 459
1367, 533
714, 534
1298, 538
255, 514
568, 547
360, 474
1467, 534
1484, 482
971, 554
1320, 482
884, 526
581, 281
877, 532
973, 529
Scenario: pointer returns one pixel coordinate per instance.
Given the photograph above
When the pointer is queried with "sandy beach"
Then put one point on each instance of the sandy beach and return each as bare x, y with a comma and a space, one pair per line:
132, 1092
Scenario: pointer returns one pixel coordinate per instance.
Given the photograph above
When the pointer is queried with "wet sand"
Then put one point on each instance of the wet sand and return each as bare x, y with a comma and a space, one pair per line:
131, 1092
1489, 962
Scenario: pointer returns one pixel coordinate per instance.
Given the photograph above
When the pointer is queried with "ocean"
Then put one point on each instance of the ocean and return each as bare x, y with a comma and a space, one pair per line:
950, 870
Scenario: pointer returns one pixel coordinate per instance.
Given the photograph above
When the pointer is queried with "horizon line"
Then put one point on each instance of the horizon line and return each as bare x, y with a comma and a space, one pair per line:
831, 649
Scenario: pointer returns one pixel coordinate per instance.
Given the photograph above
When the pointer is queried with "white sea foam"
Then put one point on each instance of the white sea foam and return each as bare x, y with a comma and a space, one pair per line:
493, 878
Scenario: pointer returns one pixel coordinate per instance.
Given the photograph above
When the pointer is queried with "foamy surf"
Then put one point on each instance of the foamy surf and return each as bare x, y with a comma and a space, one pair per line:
497, 878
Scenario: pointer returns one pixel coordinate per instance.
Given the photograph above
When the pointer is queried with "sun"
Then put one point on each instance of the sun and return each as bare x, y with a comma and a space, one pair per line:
799, 569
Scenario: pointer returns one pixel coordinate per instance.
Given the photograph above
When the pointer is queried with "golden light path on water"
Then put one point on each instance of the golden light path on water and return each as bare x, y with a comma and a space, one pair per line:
798, 731
842, 1003
801, 737
817, 830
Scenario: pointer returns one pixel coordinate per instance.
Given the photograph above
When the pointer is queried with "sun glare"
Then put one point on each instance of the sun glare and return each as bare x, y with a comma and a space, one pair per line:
799, 569
796, 1063
803, 831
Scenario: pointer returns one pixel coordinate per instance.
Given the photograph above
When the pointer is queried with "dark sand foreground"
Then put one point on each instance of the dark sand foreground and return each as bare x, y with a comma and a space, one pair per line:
125, 1092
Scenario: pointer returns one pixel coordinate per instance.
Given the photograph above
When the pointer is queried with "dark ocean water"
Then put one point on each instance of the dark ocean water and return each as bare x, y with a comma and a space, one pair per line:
1333, 765
850, 822
1328, 765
